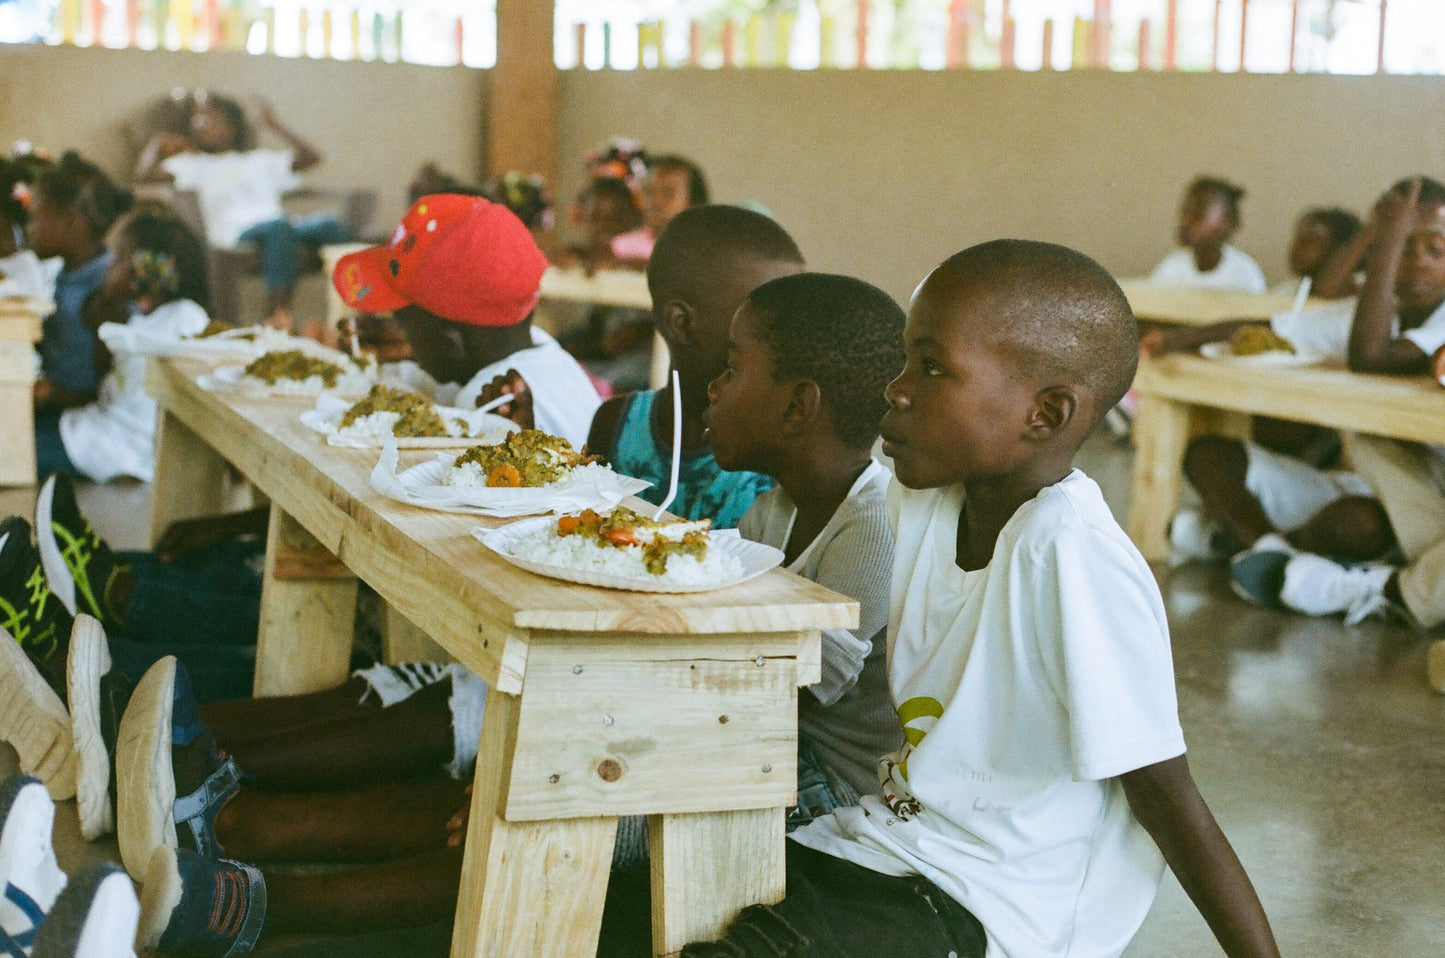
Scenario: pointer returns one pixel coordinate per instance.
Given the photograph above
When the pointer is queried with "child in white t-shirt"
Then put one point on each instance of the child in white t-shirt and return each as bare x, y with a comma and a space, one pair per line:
157, 274
1028, 659
1208, 219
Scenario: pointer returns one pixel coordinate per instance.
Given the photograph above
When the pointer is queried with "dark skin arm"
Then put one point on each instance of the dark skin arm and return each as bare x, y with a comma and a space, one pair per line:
47, 395
1437, 365
191, 535
510, 383
1336, 278
605, 423
1373, 346
161, 147
1166, 802
304, 154
1177, 339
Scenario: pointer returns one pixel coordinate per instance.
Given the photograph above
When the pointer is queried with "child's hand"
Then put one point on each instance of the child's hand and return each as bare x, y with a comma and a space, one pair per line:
1395, 211
457, 824
191, 535
510, 383
169, 144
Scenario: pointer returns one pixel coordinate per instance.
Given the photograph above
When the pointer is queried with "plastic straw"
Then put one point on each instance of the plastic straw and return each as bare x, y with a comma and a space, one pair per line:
1299, 298
676, 447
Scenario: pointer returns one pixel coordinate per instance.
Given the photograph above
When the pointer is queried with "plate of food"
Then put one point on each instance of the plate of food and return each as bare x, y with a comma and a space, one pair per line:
1259, 346
527, 473
624, 549
218, 340
413, 420
298, 373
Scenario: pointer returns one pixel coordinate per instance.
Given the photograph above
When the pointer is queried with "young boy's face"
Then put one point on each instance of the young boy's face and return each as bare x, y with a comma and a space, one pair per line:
1204, 220
959, 409
1311, 246
745, 402
1420, 283
664, 195
51, 228
212, 130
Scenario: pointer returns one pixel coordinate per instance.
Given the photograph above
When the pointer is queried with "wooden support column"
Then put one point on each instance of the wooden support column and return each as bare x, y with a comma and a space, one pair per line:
522, 95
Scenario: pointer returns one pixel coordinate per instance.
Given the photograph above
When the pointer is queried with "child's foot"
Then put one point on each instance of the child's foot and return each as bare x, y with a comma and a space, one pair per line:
79, 566
1316, 586
1435, 665
1193, 536
94, 917
33, 719
200, 906
29, 876
98, 697
29, 611
1257, 573
171, 780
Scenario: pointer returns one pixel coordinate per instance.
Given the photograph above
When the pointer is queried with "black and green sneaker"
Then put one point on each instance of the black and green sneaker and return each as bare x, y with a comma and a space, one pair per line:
78, 564
29, 611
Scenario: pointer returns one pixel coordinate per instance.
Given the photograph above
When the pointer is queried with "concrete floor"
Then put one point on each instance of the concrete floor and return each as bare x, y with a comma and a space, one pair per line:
1319, 747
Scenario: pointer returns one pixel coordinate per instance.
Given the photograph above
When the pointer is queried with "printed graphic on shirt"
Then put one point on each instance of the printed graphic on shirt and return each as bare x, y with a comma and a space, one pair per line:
919, 715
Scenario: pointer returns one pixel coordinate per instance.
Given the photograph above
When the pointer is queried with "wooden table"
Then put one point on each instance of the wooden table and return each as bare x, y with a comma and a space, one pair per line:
1181, 395
1181, 305
20, 320
603, 703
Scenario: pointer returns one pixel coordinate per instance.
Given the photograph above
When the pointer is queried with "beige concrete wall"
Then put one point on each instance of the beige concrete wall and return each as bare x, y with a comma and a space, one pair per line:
376, 122
884, 174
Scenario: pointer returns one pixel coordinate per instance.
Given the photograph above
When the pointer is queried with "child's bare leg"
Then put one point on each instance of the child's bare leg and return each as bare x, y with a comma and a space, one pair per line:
244, 720
1217, 466
377, 823
1352, 529
414, 891
407, 739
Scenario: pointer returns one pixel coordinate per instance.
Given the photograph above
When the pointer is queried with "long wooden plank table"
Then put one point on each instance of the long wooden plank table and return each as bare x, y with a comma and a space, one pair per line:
1180, 395
603, 703
1188, 306
20, 320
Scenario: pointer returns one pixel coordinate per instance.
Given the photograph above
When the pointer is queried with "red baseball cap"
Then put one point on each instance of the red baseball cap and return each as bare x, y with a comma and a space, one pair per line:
462, 258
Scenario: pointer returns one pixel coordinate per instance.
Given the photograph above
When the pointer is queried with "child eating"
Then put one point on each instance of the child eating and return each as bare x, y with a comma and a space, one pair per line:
1028, 659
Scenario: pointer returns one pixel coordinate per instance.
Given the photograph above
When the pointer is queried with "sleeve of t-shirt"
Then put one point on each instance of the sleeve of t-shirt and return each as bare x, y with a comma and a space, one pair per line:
277, 165
185, 169
1105, 645
1430, 335
856, 562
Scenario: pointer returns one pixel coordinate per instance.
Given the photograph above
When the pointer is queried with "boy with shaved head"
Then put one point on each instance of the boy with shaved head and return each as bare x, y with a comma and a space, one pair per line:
1028, 659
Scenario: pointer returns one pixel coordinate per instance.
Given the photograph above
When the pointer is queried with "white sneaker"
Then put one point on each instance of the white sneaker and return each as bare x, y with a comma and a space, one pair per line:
29, 876
1435, 665
1257, 573
94, 917
1316, 586
1193, 536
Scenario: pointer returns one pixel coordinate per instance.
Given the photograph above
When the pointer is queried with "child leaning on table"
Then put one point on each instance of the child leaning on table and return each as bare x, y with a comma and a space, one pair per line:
1208, 219
809, 358
1028, 659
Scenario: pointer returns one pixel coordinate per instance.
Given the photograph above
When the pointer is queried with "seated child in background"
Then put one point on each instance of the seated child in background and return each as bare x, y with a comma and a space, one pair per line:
241, 186
156, 284
1327, 248
1028, 659
461, 275
1208, 219
1272, 505
672, 184
1393, 505
74, 206
811, 358
706, 262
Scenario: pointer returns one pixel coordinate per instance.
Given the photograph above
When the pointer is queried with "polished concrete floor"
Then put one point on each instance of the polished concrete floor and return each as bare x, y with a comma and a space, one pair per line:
1319, 747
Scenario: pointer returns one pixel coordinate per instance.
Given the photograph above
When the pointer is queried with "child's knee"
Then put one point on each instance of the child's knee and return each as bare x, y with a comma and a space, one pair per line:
1355, 528
1208, 458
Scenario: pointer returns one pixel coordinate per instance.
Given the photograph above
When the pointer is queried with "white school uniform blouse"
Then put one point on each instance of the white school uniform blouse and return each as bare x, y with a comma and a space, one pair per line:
1025, 689
1236, 270
237, 189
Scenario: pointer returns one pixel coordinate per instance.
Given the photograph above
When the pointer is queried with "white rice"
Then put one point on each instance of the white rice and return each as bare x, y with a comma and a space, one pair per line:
378, 425
583, 553
469, 475
352, 382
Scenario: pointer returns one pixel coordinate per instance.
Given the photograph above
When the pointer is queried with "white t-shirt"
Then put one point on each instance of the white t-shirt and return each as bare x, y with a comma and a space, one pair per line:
563, 398
237, 189
115, 435
1326, 329
1025, 689
1236, 270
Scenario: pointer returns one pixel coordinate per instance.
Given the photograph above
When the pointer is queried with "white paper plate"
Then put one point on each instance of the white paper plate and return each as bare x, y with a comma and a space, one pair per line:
755, 558
245, 342
232, 379
482, 427
1276, 359
422, 485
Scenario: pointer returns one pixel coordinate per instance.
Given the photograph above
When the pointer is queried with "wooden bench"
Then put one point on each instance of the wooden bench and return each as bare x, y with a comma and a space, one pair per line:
1189, 306
1182, 395
20, 320
603, 703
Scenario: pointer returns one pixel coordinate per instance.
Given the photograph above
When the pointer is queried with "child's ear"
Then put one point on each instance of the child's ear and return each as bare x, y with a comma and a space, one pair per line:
1054, 408
678, 323
805, 401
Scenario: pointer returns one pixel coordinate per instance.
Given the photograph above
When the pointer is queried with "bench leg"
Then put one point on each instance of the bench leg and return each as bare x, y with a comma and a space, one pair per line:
190, 476
308, 611
528, 888
707, 867
1161, 431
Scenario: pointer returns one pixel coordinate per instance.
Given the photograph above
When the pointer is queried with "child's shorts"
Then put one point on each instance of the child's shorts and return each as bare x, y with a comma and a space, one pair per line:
1291, 491
396, 683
